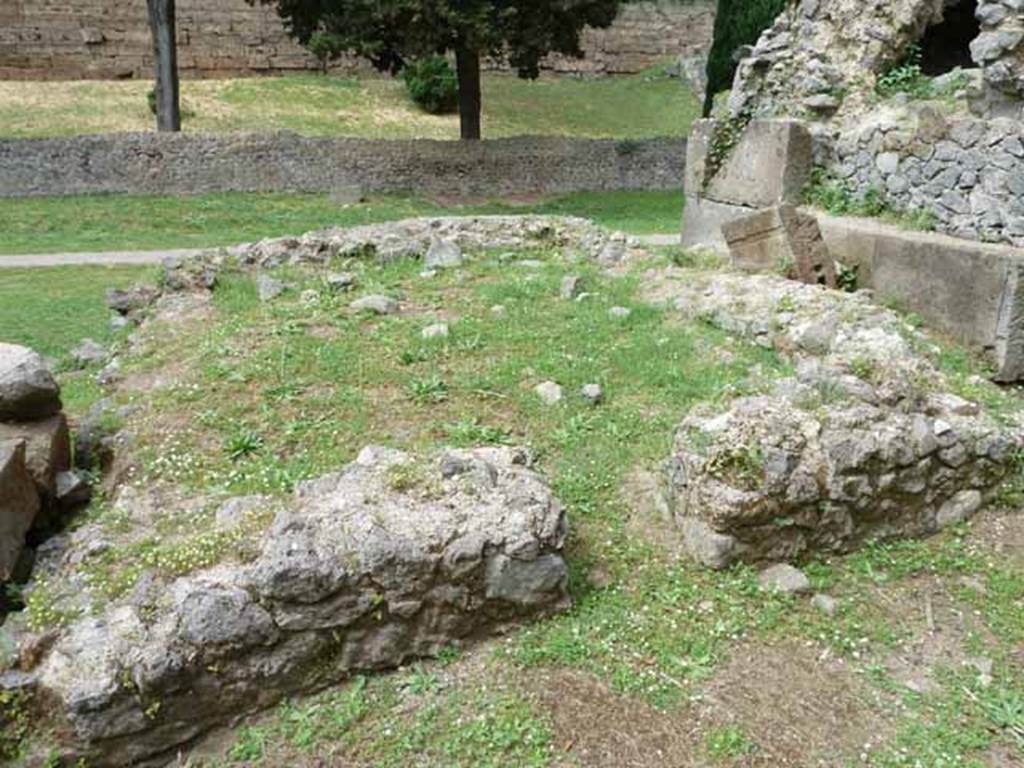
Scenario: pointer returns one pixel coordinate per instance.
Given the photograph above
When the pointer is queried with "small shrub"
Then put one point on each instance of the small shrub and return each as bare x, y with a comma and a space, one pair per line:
906, 77
432, 85
326, 47
151, 100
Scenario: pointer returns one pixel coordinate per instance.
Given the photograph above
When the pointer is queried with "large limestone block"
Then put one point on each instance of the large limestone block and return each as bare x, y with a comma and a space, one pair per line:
770, 164
19, 505
47, 451
969, 290
781, 238
27, 388
391, 559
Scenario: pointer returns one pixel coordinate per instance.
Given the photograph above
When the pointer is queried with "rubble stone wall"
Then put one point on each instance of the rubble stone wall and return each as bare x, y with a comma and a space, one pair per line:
183, 164
55, 39
969, 173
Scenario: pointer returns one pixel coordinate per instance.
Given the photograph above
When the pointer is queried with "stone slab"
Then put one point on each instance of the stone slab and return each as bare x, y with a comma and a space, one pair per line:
47, 451
781, 238
19, 505
770, 164
965, 289
703, 220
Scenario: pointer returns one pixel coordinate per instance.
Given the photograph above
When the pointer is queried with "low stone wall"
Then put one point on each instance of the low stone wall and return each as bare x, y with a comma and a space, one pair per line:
969, 173
193, 164
55, 39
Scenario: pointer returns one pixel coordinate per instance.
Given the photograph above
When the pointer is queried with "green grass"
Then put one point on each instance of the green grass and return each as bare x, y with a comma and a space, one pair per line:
51, 310
272, 393
125, 222
636, 106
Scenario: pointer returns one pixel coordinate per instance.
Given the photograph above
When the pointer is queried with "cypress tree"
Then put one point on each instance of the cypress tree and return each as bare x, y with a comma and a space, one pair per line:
739, 22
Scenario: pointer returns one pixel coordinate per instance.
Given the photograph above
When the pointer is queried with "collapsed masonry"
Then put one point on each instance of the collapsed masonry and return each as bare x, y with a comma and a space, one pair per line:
868, 439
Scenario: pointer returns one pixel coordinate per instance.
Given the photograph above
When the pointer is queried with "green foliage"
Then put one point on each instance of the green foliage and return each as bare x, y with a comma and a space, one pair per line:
906, 77
840, 198
738, 23
724, 138
151, 100
392, 34
432, 85
242, 445
727, 743
326, 47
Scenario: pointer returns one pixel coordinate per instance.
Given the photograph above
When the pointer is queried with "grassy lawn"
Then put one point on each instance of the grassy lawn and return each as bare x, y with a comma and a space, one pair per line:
374, 107
309, 383
123, 222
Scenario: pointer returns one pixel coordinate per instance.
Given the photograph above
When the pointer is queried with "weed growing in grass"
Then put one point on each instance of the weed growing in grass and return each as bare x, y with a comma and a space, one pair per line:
727, 743
427, 390
242, 445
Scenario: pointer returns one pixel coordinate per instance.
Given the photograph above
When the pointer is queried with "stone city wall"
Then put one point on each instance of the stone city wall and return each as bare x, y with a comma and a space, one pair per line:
183, 164
56, 39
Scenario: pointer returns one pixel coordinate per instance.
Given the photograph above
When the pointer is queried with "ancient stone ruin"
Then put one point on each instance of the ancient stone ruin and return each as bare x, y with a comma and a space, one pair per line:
37, 484
393, 558
865, 442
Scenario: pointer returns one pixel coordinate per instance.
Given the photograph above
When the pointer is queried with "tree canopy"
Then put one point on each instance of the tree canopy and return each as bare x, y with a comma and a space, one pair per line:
391, 32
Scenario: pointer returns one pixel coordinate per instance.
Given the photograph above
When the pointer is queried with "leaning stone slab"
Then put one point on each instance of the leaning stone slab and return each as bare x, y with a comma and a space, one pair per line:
971, 291
391, 559
47, 452
781, 237
19, 505
27, 388
866, 441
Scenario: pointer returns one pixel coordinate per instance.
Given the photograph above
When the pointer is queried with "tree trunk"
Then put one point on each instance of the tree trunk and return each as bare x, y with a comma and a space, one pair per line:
467, 66
165, 54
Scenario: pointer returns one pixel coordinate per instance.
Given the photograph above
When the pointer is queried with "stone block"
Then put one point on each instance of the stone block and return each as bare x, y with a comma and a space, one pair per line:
770, 164
703, 220
47, 452
781, 237
971, 291
19, 505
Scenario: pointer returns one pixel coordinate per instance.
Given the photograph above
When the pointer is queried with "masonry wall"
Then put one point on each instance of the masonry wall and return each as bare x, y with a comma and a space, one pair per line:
71, 39
968, 173
149, 163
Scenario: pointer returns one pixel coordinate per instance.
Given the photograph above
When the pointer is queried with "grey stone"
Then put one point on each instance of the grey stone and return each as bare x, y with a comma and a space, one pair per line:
443, 254
825, 603
784, 578
436, 331
72, 490
959, 508
131, 301
549, 392
19, 505
571, 287
383, 563
47, 452
268, 288
377, 304
89, 352
592, 393
27, 388
341, 281
619, 313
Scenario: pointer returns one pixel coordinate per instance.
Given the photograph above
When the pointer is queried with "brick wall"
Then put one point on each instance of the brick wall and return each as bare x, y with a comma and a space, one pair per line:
70, 39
